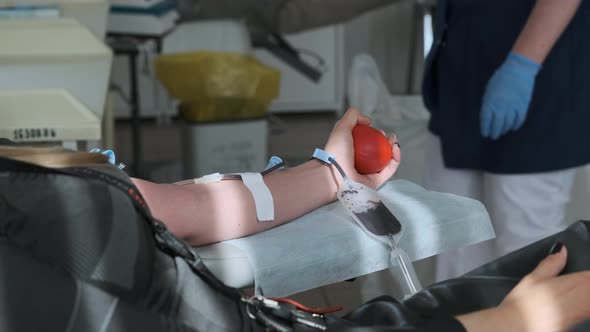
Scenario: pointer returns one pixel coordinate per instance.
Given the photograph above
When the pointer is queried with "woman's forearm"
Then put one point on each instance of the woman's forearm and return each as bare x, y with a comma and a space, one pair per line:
546, 23
300, 15
207, 213
491, 320
203, 214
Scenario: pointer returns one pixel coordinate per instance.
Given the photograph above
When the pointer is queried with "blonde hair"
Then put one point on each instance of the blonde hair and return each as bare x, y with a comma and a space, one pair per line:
53, 157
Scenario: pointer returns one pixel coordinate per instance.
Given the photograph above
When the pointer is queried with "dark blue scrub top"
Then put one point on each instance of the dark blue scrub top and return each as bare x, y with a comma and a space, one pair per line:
472, 39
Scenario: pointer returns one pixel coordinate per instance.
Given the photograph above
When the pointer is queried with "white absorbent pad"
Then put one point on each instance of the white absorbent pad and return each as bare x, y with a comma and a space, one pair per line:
326, 246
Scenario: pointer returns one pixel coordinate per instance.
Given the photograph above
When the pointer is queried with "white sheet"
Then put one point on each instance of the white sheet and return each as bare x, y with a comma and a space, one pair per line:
325, 246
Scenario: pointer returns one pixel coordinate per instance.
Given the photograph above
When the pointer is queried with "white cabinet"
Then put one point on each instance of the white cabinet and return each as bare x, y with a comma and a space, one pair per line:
55, 54
298, 93
387, 34
152, 97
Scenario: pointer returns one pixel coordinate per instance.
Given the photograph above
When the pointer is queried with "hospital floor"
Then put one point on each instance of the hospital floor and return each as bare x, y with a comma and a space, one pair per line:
291, 136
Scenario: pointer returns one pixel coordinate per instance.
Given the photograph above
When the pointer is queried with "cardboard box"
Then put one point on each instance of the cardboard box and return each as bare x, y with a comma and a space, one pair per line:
225, 147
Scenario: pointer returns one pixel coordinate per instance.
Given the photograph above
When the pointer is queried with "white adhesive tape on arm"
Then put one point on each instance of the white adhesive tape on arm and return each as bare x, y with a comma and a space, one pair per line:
209, 178
263, 201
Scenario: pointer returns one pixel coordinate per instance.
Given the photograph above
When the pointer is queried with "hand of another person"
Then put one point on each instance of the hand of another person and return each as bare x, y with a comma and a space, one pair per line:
508, 96
340, 144
549, 303
541, 302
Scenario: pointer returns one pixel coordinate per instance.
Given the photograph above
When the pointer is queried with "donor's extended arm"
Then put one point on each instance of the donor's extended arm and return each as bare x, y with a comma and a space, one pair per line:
208, 213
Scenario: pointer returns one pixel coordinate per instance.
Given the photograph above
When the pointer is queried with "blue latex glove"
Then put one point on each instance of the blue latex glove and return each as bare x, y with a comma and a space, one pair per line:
508, 96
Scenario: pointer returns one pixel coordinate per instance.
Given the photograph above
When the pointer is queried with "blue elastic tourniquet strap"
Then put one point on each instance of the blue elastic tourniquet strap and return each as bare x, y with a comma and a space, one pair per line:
273, 161
323, 156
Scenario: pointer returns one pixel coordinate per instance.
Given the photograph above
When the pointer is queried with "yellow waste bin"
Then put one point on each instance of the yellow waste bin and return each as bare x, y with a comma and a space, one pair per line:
218, 86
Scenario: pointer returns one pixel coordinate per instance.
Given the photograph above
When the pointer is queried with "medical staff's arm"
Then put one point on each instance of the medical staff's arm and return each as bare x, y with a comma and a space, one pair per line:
208, 213
509, 91
301, 15
546, 23
285, 16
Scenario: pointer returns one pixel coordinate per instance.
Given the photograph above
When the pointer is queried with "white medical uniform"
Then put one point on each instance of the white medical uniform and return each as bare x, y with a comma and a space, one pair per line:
523, 208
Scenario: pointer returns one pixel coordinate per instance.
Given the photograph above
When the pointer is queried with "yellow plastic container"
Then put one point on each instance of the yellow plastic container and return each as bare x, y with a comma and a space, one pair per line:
218, 86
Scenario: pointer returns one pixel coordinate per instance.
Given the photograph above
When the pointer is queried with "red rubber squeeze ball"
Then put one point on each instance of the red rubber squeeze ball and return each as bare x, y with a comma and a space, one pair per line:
372, 151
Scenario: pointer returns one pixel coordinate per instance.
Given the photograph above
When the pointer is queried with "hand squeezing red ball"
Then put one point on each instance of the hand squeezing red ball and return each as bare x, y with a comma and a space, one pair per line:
372, 150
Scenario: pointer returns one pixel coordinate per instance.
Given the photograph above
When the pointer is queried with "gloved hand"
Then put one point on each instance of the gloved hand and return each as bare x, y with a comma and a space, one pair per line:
508, 96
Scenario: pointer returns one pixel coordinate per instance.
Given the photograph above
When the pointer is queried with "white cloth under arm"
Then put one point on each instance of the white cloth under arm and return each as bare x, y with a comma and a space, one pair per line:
326, 246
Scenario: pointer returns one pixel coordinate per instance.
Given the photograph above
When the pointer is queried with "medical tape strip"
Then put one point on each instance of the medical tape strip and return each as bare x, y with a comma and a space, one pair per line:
253, 181
209, 178
263, 201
